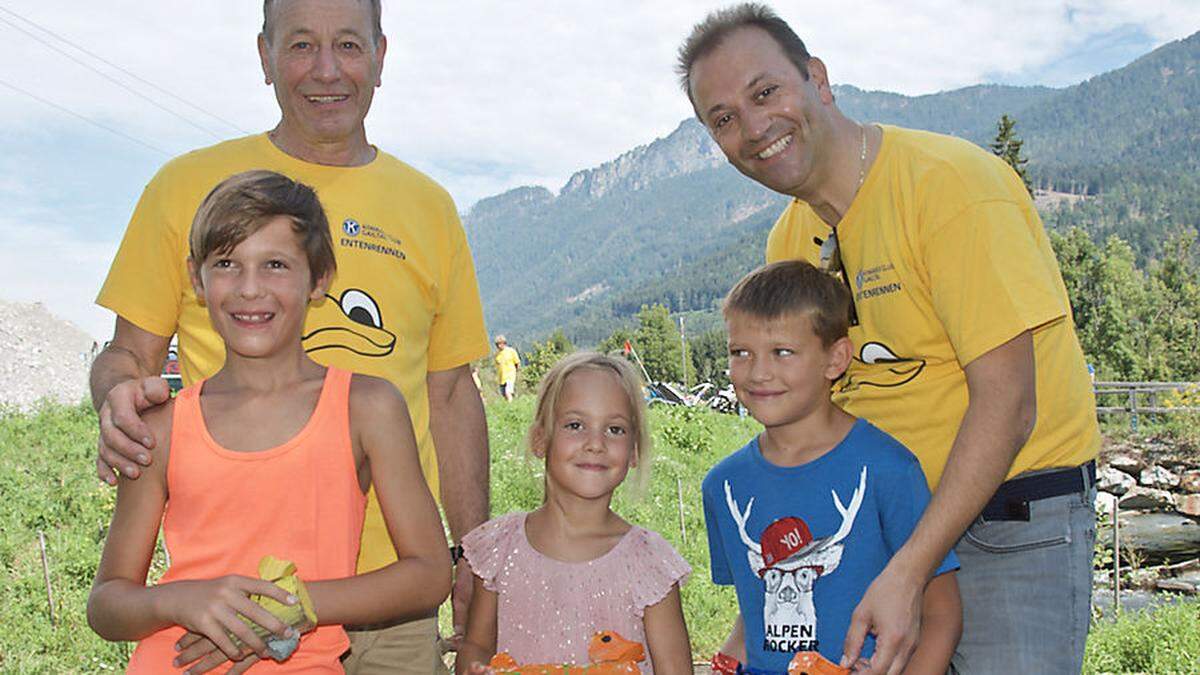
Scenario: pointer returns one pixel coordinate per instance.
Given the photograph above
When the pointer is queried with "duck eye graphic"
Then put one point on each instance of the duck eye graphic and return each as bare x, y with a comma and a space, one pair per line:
878, 366
351, 322
361, 308
873, 352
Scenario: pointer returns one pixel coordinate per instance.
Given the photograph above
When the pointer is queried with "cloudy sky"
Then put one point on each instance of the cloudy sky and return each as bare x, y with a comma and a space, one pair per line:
481, 94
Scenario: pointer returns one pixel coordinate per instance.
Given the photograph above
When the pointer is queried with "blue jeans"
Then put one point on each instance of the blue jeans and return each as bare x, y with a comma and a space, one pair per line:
1027, 588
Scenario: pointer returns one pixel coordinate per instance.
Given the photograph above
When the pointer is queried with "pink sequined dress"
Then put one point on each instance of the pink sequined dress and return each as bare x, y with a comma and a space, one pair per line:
548, 609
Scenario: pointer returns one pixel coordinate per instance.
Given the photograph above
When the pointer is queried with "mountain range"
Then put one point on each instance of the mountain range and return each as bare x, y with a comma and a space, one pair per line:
672, 223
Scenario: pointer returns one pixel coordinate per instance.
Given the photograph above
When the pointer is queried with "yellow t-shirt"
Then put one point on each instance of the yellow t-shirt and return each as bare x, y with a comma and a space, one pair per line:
405, 300
506, 365
948, 259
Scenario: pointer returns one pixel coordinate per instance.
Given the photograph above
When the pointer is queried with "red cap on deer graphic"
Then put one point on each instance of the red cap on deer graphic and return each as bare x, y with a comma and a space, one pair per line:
783, 539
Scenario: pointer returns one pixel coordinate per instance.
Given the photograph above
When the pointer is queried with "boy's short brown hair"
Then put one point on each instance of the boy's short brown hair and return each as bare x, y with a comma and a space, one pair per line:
793, 287
241, 204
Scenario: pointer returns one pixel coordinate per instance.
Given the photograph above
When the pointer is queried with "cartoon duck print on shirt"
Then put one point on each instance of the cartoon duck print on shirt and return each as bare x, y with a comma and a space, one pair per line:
351, 321
790, 562
876, 365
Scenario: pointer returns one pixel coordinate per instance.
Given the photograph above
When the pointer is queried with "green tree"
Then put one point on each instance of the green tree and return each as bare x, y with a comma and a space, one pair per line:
1117, 333
1078, 257
1175, 285
615, 343
656, 340
542, 356
1007, 146
710, 357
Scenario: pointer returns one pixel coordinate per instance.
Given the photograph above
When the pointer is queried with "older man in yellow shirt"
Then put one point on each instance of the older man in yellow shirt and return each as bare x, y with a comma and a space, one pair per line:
507, 364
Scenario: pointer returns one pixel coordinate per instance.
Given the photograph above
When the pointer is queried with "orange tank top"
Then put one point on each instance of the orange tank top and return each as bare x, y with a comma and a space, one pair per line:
225, 510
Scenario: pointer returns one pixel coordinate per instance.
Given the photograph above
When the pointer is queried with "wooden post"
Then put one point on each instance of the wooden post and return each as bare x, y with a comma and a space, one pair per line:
683, 354
682, 525
1133, 416
1117, 558
46, 576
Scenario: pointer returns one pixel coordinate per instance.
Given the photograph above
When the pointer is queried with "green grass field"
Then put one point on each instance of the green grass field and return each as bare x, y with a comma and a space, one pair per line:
48, 484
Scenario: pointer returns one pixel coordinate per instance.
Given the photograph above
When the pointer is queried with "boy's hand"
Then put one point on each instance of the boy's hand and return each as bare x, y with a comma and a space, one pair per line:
196, 648
125, 440
211, 608
891, 611
477, 668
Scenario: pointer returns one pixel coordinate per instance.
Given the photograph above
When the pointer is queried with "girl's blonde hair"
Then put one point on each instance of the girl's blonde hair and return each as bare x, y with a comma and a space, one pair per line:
550, 390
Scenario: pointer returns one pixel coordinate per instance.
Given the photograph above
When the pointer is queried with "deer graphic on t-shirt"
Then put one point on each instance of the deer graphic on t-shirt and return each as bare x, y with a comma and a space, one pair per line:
790, 561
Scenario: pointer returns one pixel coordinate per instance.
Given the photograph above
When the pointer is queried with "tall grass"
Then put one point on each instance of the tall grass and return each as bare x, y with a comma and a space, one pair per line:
1166, 640
47, 483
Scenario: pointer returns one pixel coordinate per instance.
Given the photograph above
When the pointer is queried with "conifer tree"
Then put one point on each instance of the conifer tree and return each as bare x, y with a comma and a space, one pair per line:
1007, 146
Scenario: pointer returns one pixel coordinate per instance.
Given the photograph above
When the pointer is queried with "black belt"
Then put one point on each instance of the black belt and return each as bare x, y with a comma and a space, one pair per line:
1011, 501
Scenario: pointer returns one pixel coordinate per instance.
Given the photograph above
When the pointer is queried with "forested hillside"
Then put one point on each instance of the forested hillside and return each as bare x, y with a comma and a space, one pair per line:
671, 224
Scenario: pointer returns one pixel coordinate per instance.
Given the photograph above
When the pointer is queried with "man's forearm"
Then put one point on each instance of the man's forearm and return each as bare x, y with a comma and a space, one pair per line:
978, 462
112, 366
998, 421
459, 430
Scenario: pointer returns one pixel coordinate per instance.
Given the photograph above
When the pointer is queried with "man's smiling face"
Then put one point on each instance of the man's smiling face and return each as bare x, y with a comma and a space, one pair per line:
767, 117
324, 62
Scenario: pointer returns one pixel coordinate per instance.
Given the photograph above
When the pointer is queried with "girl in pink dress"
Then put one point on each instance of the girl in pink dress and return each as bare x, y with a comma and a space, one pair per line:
547, 580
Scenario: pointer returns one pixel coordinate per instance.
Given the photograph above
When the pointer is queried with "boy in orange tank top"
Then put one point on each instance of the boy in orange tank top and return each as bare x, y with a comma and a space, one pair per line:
272, 455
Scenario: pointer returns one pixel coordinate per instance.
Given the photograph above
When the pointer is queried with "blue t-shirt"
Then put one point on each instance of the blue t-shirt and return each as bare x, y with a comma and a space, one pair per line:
812, 538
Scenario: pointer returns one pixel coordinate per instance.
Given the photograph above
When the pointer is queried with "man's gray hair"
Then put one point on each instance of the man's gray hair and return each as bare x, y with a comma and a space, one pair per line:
707, 35
376, 19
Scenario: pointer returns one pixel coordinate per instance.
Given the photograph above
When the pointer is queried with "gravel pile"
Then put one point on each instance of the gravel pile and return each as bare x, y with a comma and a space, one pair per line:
41, 357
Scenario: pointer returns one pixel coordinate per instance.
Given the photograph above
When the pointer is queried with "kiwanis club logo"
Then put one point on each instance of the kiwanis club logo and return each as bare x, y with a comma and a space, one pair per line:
371, 238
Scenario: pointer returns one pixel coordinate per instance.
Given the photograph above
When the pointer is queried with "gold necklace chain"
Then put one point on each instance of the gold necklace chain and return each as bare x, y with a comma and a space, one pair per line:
862, 158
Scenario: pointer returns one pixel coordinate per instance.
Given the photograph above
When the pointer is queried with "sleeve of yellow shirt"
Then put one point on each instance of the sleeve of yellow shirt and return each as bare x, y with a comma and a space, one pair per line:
145, 282
990, 278
457, 335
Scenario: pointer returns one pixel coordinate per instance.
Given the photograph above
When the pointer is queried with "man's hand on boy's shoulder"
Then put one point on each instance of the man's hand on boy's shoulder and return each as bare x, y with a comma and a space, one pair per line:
124, 384
125, 438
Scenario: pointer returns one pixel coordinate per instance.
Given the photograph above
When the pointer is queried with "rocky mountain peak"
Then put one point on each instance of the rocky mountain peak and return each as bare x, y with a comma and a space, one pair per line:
686, 150
519, 200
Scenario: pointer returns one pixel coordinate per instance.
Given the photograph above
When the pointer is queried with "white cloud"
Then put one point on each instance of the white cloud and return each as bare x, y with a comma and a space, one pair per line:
545, 87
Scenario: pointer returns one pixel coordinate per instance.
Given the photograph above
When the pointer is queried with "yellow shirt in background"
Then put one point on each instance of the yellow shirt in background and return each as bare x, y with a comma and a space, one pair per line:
948, 259
404, 302
506, 365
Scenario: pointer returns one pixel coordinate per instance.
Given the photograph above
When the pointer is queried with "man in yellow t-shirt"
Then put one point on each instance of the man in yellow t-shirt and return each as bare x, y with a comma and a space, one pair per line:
507, 364
965, 346
404, 304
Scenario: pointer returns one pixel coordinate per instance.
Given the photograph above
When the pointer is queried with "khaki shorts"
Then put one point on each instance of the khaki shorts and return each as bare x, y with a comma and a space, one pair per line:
409, 647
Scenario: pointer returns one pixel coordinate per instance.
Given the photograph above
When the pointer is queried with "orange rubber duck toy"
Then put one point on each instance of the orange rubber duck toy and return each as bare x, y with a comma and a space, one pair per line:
610, 654
812, 663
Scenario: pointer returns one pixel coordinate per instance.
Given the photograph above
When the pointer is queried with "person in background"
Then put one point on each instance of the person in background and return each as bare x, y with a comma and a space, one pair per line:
508, 362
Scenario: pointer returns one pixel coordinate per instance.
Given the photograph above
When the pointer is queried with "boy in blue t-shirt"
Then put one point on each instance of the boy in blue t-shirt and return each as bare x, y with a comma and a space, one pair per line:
804, 517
